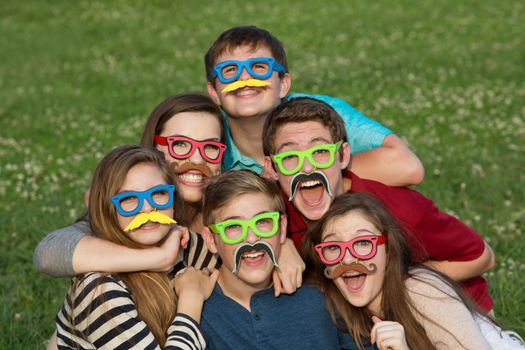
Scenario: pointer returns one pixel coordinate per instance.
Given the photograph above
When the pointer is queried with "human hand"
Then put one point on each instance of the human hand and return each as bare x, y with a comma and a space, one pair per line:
191, 281
289, 276
388, 335
170, 249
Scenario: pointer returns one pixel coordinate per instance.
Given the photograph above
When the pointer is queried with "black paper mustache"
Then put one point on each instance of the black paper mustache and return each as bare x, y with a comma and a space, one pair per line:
303, 177
353, 266
248, 247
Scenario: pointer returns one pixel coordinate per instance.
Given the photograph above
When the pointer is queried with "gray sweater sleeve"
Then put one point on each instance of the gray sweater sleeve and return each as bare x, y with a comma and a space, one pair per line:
54, 254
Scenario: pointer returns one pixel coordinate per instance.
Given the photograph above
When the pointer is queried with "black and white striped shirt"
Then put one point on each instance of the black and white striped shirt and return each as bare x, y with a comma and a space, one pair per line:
100, 314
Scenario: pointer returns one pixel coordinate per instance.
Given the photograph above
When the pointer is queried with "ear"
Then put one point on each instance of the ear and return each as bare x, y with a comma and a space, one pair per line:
284, 225
213, 94
269, 171
207, 235
345, 159
286, 84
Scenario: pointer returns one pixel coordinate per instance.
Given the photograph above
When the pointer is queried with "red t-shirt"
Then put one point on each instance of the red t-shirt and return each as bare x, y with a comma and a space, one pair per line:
432, 234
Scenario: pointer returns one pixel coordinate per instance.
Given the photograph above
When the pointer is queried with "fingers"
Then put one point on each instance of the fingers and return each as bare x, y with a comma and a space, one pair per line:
388, 335
277, 286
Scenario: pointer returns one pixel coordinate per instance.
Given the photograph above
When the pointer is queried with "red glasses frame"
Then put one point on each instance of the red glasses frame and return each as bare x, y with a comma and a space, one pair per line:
195, 144
348, 245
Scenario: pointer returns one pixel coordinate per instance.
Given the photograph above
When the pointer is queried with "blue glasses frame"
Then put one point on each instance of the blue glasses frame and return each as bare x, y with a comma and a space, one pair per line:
272, 66
141, 196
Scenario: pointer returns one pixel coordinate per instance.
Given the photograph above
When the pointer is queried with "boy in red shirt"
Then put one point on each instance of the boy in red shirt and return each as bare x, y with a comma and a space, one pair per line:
305, 141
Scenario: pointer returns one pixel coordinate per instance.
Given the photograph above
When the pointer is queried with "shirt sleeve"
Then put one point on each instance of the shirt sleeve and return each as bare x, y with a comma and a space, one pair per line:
446, 320
198, 255
106, 318
54, 254
363, 133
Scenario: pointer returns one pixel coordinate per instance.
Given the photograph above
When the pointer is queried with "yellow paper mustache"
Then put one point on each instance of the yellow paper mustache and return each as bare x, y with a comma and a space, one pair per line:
153, 216
243, 83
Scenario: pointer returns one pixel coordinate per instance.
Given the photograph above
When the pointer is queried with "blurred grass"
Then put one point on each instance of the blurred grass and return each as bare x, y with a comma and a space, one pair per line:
78, 78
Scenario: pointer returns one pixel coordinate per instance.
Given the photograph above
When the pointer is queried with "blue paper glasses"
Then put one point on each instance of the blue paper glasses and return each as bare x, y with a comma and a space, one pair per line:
130, 203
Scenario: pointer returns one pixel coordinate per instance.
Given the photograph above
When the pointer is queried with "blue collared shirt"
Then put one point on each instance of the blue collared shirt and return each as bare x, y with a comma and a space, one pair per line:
296, 321
363, 134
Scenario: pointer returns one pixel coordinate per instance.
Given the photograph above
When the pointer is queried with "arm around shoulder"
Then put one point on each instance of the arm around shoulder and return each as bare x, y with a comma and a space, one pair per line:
393, 163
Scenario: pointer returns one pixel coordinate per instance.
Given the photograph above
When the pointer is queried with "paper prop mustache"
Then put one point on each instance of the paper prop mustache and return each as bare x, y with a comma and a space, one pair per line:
153, 216
353, 266
302, 177
243, 83
248, 247
206, 171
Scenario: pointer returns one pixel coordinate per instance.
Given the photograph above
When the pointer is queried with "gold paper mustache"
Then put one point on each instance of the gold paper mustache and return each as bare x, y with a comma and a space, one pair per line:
243, 83
153, 216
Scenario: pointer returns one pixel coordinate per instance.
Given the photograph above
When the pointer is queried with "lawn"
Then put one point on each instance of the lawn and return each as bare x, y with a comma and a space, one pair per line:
80, 77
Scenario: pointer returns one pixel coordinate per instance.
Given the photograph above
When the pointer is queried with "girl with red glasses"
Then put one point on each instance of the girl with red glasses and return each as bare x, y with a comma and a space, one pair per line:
359, 256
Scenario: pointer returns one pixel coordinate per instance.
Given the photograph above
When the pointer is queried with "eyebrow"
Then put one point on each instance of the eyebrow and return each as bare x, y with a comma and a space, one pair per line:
239, 218
218, 139
361, 230
291, 143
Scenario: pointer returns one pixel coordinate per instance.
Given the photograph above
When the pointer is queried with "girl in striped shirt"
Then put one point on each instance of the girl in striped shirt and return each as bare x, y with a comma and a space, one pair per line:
131, 204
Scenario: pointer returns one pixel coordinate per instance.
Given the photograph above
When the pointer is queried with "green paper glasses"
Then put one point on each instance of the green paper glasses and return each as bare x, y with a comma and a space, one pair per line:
234, 231
320, 156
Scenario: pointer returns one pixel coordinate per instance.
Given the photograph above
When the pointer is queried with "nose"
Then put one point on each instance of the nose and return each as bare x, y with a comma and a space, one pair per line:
244, 74
146, 207
307, 167
251, 237
348, 258
196, 157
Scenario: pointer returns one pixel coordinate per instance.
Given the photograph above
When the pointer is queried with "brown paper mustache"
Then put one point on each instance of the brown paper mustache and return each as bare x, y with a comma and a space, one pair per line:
153, 216
353, 266
204, 169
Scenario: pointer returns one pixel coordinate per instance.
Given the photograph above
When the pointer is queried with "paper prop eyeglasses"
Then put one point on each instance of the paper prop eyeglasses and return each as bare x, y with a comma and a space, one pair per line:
320, 156
182, 147
259, 68
234, 231
130, 203
362, 247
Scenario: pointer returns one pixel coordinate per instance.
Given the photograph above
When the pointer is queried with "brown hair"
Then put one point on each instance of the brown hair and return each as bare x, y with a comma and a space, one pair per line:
186, 102
224, 188
152, 293
395, 304
251, 36
299, 110
185, 213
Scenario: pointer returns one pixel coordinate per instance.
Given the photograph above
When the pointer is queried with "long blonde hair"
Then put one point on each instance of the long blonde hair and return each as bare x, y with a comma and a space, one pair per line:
151, 292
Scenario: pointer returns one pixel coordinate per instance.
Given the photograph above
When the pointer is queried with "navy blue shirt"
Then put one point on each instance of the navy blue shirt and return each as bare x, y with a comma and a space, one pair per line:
297, 321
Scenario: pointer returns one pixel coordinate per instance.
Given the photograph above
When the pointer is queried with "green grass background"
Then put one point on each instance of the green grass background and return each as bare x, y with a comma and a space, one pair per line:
80, 77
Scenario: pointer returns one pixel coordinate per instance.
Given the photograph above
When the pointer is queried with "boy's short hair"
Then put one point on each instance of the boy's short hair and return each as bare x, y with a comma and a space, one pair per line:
299, 110
224, 188
250, 36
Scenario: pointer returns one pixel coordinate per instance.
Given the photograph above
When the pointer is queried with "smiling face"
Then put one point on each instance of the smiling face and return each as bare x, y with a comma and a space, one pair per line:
139, 178
311, 199
192, 173
249, 101
361, 290
255, 267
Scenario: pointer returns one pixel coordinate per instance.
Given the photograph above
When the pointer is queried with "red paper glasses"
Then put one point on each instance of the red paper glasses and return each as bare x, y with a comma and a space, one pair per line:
362, 247
182, 147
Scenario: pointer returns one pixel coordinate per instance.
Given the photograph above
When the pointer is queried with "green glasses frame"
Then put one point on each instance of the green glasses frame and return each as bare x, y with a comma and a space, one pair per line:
220, 227
308, 154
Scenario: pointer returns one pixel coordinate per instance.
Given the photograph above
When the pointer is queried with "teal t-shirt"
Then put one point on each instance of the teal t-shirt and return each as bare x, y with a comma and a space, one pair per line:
363, 134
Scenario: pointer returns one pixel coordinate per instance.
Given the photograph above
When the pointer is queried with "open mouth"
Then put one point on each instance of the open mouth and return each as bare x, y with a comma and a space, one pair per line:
247, 91
311, 191
254, 257
192, 178
354, 280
